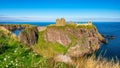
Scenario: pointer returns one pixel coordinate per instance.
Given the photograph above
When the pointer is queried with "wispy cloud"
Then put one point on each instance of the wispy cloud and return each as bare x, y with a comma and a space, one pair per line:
52, 19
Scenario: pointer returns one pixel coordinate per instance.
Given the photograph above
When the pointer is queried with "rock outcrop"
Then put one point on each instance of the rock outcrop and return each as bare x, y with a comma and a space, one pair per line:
87, 39
29, 36
87, 42
55, 35
7, 32
40, 28
12, 27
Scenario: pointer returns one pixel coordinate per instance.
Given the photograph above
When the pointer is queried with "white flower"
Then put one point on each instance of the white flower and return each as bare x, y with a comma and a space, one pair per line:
35, 53
8, 56
11, 61
4, 59
6, 65
15, 51
16, 64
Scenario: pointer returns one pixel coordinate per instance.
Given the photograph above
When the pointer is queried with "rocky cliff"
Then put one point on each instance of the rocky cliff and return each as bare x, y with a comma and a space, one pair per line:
80, 40
12, 27
29, 36
60, 42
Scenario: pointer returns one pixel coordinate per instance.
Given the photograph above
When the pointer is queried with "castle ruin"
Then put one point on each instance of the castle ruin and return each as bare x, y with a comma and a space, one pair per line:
60, 22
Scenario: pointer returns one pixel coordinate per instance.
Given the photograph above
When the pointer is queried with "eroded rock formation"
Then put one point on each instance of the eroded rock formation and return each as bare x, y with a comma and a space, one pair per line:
29, 36
87, 39
55, 35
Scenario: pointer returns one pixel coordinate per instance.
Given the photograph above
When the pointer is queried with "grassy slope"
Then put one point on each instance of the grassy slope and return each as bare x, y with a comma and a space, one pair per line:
48, 49
14, 54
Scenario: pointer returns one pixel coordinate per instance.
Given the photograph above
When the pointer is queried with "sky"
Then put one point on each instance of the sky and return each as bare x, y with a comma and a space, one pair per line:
49, 10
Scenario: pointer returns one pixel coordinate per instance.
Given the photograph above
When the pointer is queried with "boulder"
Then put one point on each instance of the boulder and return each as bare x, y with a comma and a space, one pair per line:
29, 36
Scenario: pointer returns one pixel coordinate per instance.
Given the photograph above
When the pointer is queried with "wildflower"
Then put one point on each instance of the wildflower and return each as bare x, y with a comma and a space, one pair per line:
16, 64
11, 61
8, 56
7, 66
35, 53
4, 59
15, 51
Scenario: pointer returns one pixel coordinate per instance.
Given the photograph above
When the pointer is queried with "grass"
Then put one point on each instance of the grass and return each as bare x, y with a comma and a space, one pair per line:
16, 55
46, 48
72, 26
92, 62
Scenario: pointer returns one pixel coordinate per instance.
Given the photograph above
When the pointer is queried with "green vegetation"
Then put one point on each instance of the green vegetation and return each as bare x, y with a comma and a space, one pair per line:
83, 39
14, 54
48, 49
72, 26
73, 39
86, 26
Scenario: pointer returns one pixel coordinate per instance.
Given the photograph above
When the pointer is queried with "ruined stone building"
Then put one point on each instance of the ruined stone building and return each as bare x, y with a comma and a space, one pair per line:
60, 22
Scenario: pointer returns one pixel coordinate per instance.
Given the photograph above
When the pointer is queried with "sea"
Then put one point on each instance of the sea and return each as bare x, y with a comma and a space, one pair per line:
108, 51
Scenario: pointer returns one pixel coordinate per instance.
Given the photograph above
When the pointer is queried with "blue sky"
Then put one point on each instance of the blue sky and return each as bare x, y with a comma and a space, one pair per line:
49, 10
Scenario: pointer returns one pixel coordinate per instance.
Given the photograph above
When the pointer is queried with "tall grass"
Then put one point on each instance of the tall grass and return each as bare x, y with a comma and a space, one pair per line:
92, 62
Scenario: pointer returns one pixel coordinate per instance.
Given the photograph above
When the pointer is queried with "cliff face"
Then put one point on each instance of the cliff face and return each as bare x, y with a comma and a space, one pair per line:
80, 40
12, 27
7, 32
87, 42
55, 35
29, 36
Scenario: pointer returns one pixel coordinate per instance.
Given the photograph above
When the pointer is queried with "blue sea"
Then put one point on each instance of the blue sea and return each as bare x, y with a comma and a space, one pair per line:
110, 50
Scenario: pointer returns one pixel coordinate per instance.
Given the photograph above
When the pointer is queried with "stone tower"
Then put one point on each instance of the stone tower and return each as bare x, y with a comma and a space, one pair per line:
57, 22
63, 23
60, 22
